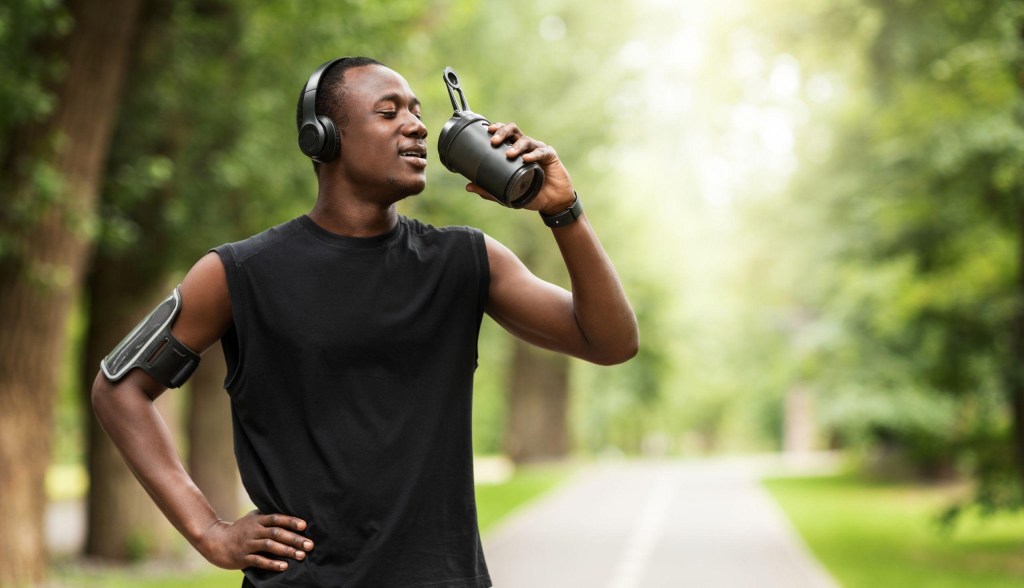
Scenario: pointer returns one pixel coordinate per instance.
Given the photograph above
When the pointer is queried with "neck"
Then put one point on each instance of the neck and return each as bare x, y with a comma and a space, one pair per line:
352, 217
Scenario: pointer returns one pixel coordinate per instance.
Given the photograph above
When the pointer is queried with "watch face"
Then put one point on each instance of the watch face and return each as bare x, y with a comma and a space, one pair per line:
126, 354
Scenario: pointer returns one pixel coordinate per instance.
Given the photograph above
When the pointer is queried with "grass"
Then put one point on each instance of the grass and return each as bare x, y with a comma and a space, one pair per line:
494, 502
886, 535
143, 577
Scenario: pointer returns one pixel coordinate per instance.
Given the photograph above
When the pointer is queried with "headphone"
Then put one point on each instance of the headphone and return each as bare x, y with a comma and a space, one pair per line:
318, 137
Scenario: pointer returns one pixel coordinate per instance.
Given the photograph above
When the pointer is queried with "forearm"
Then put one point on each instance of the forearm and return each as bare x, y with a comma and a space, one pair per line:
603, 314
131, 420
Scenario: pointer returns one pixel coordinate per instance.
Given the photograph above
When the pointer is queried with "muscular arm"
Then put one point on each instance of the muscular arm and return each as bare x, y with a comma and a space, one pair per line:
126, 411
594, 321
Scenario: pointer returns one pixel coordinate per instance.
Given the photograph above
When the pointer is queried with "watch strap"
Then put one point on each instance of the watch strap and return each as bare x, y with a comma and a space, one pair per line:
567, 216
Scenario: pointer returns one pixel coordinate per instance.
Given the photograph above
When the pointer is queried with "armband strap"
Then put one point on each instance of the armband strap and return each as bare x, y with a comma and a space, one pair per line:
152, 347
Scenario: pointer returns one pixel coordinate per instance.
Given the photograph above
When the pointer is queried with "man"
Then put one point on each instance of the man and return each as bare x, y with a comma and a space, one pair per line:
350, 336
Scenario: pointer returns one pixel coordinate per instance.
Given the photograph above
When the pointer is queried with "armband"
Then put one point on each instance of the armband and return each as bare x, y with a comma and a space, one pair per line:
152, 347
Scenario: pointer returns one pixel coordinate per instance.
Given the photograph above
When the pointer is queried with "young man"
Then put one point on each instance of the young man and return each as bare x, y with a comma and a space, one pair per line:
350, 335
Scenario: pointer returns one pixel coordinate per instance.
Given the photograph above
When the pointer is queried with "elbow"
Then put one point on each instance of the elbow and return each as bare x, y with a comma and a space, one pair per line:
623, 351
619, 356
100, 394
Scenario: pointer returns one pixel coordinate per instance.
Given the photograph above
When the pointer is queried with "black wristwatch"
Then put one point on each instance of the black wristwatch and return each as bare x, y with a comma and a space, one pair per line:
567, 216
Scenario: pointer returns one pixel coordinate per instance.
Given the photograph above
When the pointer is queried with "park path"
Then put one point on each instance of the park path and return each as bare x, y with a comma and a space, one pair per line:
657, 524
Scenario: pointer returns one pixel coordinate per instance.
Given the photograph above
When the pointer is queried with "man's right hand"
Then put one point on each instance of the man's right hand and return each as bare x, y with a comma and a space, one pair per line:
239, 545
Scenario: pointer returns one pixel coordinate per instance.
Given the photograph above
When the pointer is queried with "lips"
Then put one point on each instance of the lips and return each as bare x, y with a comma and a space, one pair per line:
417, 151
415, 155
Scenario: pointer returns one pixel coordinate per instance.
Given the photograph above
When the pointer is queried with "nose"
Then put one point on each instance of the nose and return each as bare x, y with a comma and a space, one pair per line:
415, 127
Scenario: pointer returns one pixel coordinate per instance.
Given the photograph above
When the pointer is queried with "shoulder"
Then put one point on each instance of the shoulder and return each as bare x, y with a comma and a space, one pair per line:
418, 227
450, 236
205, 304
499, 256
239, 251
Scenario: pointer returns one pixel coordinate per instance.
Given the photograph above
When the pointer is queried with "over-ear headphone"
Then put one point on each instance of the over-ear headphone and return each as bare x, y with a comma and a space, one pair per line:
318, 137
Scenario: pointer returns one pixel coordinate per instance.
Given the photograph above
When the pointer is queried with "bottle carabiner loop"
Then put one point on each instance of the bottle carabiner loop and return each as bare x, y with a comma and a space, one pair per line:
451, 81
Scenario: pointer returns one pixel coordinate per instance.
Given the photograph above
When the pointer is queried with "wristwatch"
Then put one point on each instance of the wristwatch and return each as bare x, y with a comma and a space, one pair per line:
567, 216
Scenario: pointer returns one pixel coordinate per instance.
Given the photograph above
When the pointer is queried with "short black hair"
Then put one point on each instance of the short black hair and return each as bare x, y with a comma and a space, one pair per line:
330, 94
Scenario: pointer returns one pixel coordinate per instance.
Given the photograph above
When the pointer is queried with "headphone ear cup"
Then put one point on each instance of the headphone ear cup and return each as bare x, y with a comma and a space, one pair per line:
332, 140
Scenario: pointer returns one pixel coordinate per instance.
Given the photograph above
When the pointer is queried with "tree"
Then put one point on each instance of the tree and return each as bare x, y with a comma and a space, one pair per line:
913, 174
52, 170
46, 235
211, 456
154, 158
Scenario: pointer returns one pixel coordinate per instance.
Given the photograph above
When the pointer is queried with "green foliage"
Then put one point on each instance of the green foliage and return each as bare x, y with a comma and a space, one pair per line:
26, 27
879, 535
29, 33
907, 200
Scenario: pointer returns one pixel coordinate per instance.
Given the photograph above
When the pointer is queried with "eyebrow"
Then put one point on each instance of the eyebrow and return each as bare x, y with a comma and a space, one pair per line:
396, 97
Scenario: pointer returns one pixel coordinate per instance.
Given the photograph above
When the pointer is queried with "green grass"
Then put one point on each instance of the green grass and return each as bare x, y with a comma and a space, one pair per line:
880, 535
494, 502
143, 577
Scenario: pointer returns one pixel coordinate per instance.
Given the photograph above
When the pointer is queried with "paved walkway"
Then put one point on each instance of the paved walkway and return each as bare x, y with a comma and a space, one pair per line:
656, 525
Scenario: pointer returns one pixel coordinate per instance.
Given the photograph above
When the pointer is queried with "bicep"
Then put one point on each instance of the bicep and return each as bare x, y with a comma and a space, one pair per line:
530, 308
205, 305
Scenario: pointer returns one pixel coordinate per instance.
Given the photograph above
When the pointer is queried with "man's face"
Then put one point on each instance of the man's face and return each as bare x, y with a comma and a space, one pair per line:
383, 141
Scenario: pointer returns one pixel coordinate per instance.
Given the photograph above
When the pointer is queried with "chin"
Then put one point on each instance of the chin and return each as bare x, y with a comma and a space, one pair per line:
414, 188
419, 190
407, 189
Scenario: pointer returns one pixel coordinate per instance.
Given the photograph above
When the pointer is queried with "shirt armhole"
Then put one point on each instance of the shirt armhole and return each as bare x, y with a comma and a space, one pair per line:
483, 267
231, 340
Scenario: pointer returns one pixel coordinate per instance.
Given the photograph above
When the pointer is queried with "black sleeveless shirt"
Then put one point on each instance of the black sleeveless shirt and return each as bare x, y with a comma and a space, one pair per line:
350, 372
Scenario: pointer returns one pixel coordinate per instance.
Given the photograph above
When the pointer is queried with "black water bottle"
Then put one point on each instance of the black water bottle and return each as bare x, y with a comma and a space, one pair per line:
464, 146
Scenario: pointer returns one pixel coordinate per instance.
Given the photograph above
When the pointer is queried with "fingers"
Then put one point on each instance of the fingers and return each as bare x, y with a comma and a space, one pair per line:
274, 535
282, 521
557, 188
531, 149
254, 541
479, 191
503, 132
279, 540
253, 560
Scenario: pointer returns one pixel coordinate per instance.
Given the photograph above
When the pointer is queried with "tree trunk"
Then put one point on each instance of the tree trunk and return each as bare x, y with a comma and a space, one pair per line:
127, 283
1016, 365
211, 459
123, 523
537, 426
38, 287
799, 433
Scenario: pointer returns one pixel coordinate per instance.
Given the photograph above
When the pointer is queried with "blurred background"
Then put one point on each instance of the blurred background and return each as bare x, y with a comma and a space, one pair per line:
816, 206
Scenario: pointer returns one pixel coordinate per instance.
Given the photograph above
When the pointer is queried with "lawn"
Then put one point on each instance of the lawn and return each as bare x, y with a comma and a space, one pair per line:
494, 502
879, 535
